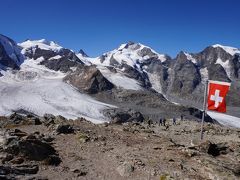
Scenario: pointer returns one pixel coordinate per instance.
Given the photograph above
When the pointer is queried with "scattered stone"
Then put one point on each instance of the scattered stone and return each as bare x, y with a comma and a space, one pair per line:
125, 169
52, 160
31, 147
236, 170
8, 157
48, 117
83, 137
64, 129
19, 169
157, 148
213, 149
18, 133
48, 139
16, 118
37, 121
17, 160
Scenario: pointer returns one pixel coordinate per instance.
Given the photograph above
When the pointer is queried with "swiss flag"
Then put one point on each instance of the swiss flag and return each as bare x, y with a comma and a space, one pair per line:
217, 92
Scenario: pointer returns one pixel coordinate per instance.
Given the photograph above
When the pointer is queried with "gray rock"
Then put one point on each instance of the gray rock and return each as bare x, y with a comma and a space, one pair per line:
64, 129
5, 58
126, 169
19, 170
65, 63
89, 79
82, 53
213, 149
33, 147
182, 83
121, 116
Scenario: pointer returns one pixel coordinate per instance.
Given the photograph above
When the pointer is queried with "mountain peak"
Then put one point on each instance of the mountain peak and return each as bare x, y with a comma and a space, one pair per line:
82, 53
42, 44
231, 50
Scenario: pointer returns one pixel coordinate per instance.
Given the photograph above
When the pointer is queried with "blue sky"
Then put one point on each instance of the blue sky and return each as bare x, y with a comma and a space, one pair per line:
97, 26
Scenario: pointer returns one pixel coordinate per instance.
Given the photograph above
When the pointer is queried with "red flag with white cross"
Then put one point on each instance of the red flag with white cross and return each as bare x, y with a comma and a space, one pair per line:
217, 92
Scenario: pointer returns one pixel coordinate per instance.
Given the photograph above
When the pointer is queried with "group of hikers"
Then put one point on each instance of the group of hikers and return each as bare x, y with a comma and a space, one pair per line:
162, 121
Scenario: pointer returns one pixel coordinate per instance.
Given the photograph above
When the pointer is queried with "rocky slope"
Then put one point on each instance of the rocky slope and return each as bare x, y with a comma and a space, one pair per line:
52, 147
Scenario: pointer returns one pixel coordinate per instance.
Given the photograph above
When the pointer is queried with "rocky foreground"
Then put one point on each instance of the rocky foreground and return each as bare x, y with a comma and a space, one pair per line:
55, 148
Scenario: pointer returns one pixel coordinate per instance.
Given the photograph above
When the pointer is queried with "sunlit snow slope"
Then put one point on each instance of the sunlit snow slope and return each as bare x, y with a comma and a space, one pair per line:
225, 119
39, 90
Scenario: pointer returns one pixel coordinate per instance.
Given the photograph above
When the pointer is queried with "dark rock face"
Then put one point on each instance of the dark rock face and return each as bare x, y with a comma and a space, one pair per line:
113, 62
182, 83
89, 79
159, 69
147, 52
140, 76
235, 66
5, 58
82, 53
62, 60
37, 53
210, 56
63, 64
217, 72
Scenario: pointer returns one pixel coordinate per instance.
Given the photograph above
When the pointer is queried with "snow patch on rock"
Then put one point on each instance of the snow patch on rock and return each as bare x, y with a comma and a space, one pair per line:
228, 49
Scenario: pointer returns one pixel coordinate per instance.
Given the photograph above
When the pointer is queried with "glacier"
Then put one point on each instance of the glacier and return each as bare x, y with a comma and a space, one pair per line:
40, 90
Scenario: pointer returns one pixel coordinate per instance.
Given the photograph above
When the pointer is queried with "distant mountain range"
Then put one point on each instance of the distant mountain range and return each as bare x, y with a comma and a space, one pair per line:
40, 76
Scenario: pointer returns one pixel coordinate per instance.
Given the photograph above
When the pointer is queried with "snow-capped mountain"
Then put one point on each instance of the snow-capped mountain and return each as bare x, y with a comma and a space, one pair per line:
191, 70
231, 50
53, 79
126, 65
131, 54
41, 44
38, 85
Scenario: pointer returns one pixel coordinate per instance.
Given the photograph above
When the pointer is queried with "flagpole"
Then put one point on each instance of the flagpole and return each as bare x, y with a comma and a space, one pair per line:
204, 107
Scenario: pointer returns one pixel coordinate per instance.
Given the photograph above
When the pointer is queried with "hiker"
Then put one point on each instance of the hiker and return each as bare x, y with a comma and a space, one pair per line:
164, 122
149, 122
174, 121
160, 122
181, 117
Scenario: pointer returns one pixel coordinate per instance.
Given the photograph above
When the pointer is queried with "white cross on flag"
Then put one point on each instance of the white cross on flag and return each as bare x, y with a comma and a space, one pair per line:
217, 92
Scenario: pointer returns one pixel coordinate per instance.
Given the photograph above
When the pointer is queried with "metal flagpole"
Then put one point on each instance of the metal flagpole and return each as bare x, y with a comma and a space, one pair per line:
204, 107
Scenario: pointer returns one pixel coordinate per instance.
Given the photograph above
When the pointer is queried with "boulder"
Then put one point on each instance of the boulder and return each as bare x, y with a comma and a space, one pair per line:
64, 129
32, 147
213, 149
125, 169
19, 169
